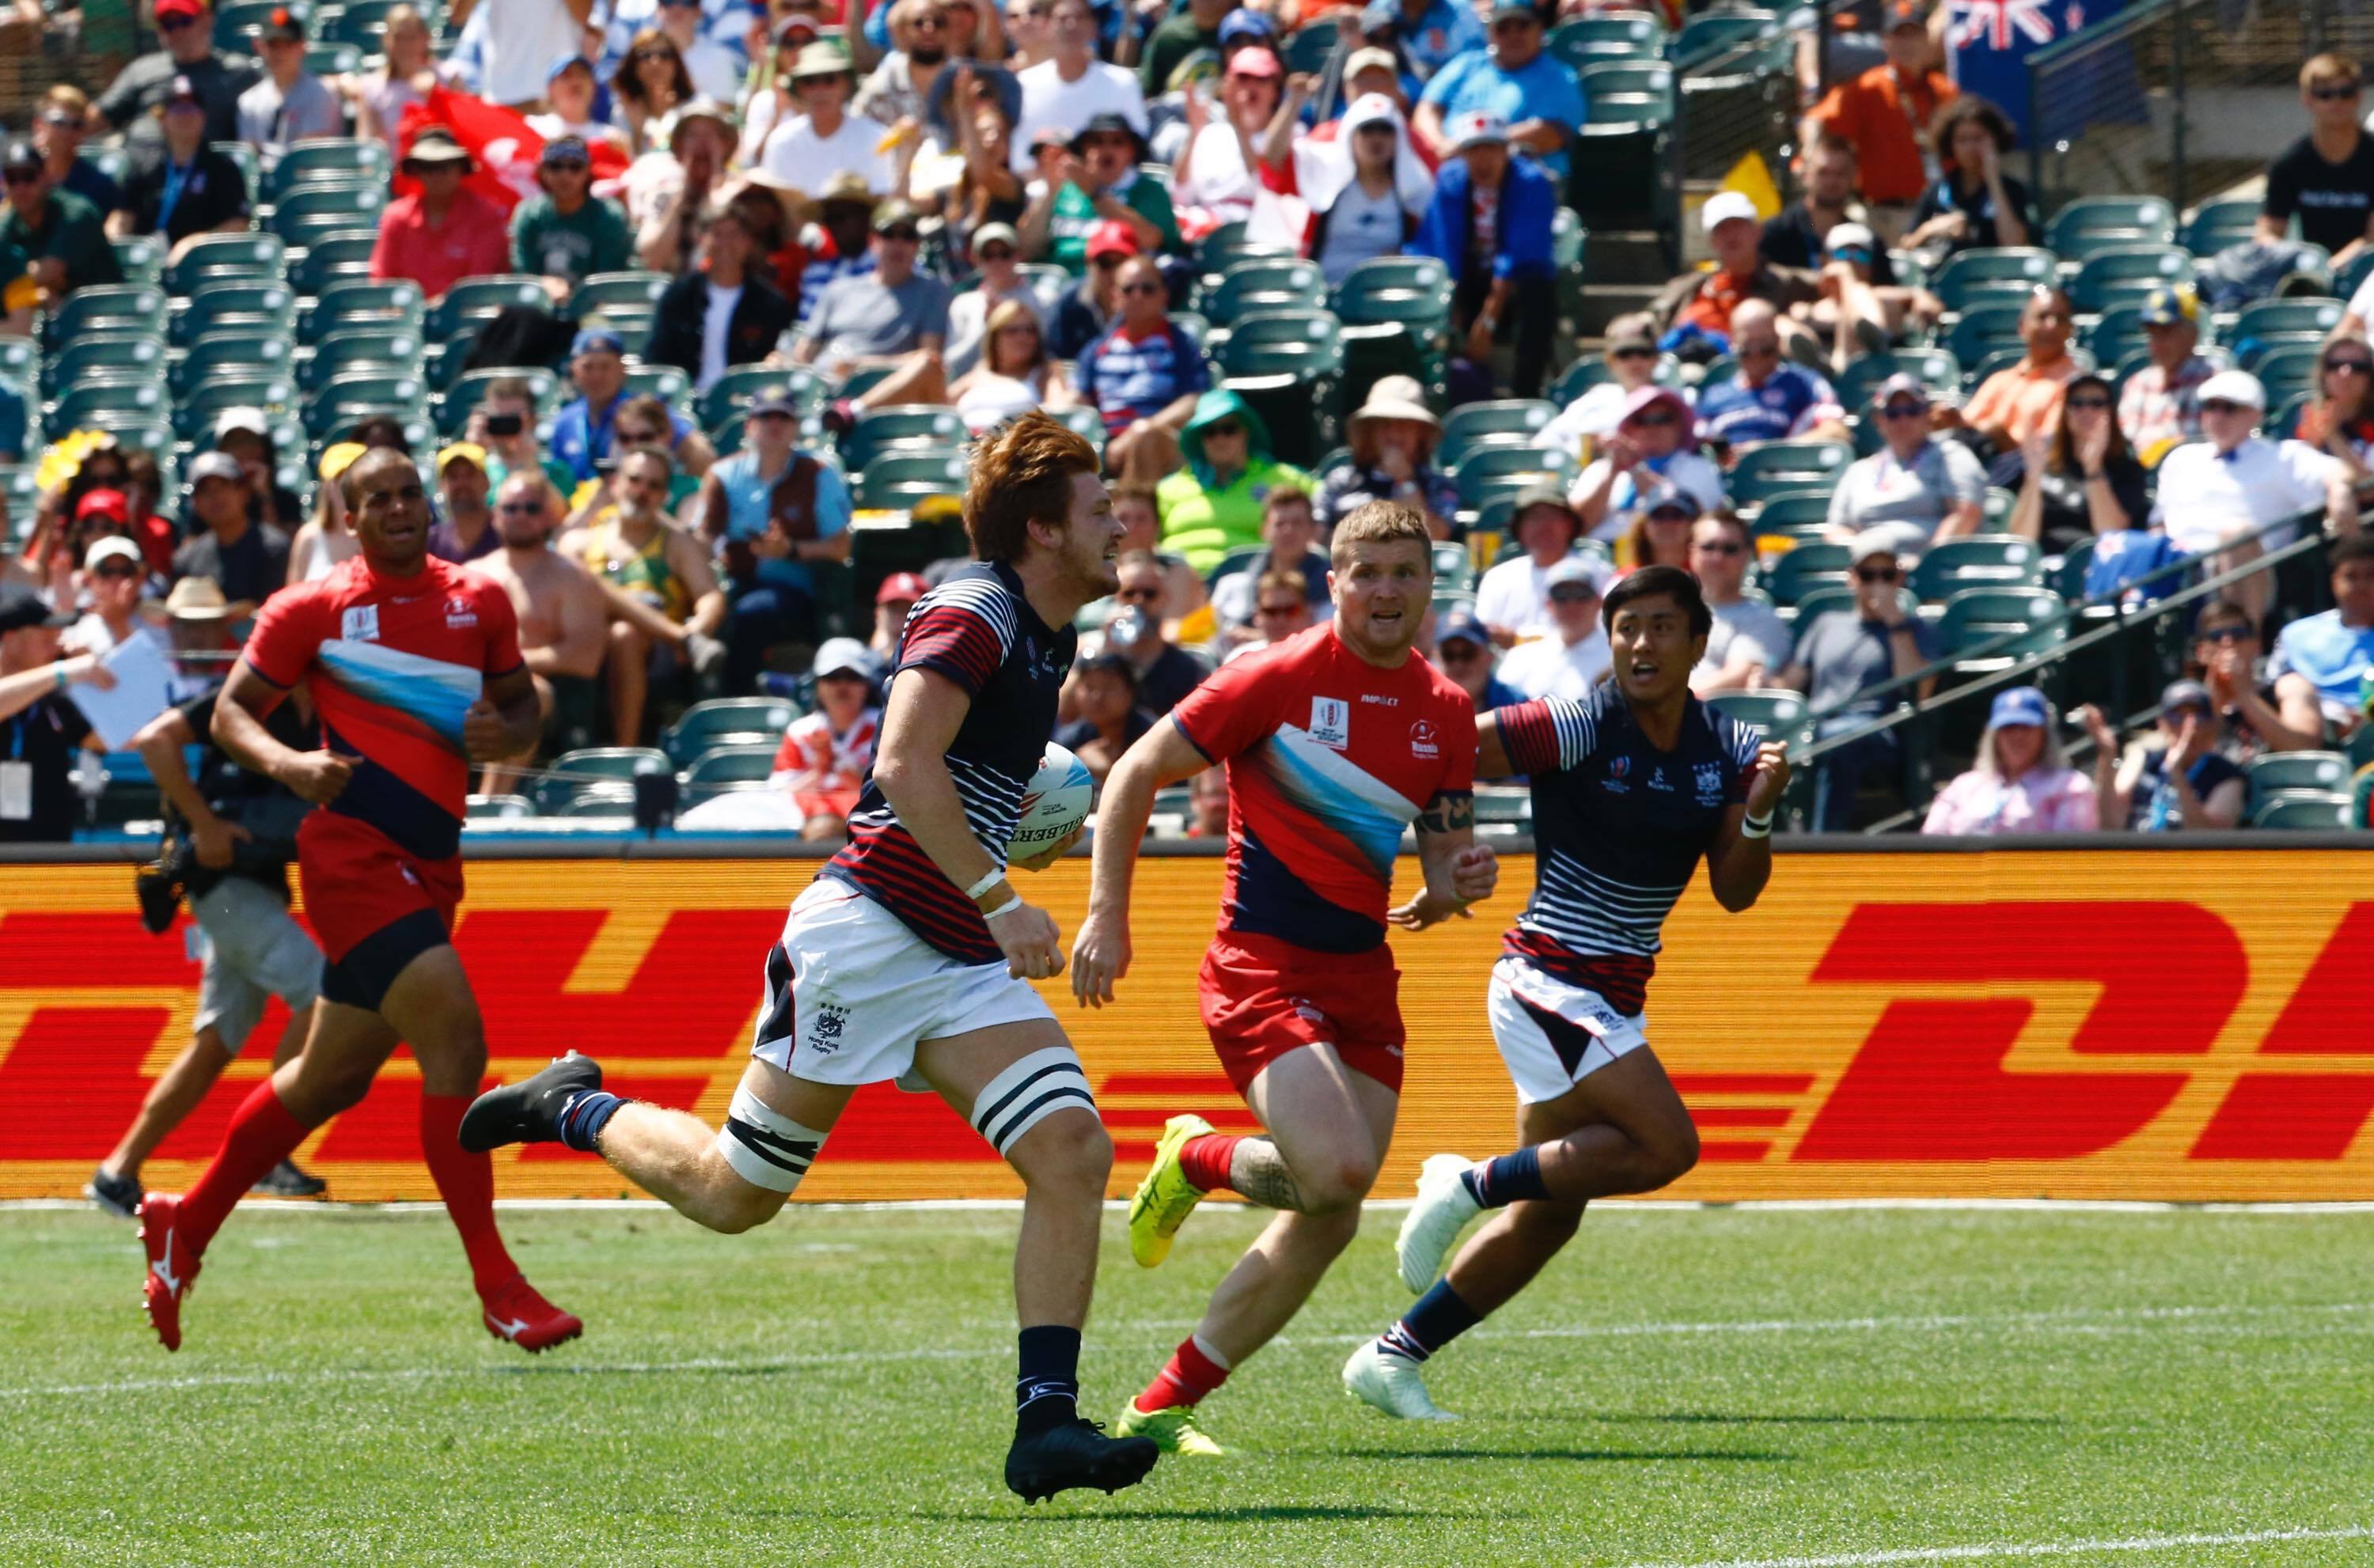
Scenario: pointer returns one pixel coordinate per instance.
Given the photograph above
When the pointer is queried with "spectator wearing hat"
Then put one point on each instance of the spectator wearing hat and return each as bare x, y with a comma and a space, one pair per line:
60, 129
1972, 205
1215, 502
1289, 539
722, 314
2077, 481
1178, 35
514, 41
43, 728
564, 234
53, 236
1369, 70
409, 73
1110, 718
249, 561
1749, 642
2326, 179
1489, 223
1655, 440
2173, 778
669, 192
1366, 189
1857, 314
1917, 488
1766, 399
1574, 656
893, 319
2322, 665
826, 754
1463, 649
2215, 494
1087, 307
290, 104
1883, 117
1631, 354
1089, 182
2160, 405
246, 434
1221, 169
1692, 312
180, 185
844, 212
584, 433
2340, 417
1071, 86
2020, 781
572, 91
2019, 400
1537, 99
1143, 374
464, 529
997, 262
1841, 661
114, 576
1660, 534
1512, 599
892, 600
1392, 437
778, 515
825, 139
1799, 236
444, 232
186, 27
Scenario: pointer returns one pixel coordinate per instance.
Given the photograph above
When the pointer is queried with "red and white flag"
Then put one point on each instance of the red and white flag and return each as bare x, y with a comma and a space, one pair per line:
499, 140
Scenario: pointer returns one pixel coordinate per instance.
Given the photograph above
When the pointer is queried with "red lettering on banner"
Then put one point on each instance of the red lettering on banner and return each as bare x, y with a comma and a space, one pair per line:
1928, 1084
72, 1081
2315, 1115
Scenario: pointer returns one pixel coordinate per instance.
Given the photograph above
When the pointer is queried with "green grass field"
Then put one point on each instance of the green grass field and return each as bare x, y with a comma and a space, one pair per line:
1722, 1386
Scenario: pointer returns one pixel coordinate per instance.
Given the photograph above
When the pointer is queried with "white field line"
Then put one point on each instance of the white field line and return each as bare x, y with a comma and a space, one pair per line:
2076, 1321
1994, 1552
1014, 1205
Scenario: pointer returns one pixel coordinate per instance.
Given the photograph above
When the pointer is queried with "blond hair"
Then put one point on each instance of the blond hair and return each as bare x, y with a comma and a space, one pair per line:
1381, 523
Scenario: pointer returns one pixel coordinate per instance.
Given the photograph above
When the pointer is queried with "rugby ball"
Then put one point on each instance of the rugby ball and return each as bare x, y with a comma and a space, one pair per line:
1055, 801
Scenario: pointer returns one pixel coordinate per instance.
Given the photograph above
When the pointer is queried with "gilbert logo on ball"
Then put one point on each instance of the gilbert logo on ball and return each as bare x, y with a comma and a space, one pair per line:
1055, 801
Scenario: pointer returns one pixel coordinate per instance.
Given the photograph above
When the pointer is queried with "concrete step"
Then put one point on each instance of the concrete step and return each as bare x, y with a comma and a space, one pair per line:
1624, 255
1603, 302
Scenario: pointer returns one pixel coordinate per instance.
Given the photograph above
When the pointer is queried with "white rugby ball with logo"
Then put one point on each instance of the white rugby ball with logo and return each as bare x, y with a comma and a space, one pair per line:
1054, 802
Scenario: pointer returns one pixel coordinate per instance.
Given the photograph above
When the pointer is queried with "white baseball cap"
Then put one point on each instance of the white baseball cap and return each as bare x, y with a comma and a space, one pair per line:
2233, 386
1475, 128
1724, 205
231, 421
108, 549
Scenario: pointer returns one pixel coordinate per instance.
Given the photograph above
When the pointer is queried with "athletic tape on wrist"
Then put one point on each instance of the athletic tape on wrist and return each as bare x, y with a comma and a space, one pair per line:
1005, 909
1027, 1093
766, 1149
1755, 827
989, 879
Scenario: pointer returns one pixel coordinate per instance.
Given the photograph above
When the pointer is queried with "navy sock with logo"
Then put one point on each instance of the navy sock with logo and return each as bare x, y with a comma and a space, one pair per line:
1511, 1179
1047, 1387
1438, 1317
580, 1122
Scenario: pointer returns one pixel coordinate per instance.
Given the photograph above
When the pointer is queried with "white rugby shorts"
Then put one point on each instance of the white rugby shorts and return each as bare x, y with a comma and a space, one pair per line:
851, 989
1554, 1034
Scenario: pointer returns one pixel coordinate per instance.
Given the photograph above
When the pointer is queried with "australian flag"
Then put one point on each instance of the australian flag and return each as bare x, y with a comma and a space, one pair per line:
1988, 43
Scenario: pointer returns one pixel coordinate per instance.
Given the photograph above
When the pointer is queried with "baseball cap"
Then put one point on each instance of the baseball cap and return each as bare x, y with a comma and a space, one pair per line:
183, 90
706, 108
822, 59
216, 465
900, 588
847, 186
20, 154
337, 458
1669, 497
796, 23
772, 400
1907, 14
105, 501
1515, 8
1635, 331
844, 656
1724, 205
21, 607
1475, 128
1544, 496
2165, 306
2233, 386
1254, 62
1573, 569
1844, 237
2020, 705
1245, 23
2187, 694
286, 23
894, 212
235, 421
564, 149
1643, 398
1461, 626
596, 340
995, 233
114, 548
470, 453
1109, 238
1899, 385
552, 73
185, 10
1371, 58
1873, 541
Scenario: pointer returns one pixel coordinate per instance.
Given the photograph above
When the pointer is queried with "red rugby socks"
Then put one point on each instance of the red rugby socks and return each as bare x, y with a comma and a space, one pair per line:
1205, 1160
261, 1134
1190, 1373
466, 1183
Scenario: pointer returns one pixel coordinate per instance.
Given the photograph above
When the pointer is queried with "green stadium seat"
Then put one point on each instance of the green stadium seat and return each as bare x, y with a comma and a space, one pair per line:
107, 308
470, 387
258, 307
728, 721
347, 397
343, 256
1778, 466
1795, 517
118, 357
1311, 43
2125, 273
309, 212
1778, 713
1584, 42
2311, 810
331, 59
900, 478
1986, 561
1507, 469
21, 359
498, 808
1792, 574
901, 426
222, 258
141, 259
1396, 316
1086, 422
194, 412
328, 161
721, 768
394, 306
2287, 370
603, 292
250, 166
232, 354
604, 803
1290, 366
1935, 368
2271, 319
1471, 425
2272, 773
2215, 225
1984, 330
476, 300
2098, 223
1636, 91
573, 771
2030, 620
665, 382
1711, 33
357, 349
1263, 285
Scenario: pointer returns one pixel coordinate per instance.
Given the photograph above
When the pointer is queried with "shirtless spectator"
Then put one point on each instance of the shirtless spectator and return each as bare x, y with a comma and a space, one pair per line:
560, 607
647, 560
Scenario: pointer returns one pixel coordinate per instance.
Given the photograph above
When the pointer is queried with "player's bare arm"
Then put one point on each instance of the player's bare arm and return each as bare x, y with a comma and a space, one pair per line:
911, 768
1740, 860
504, 722
247, 700
1458, 872
1162, 757
1491, 751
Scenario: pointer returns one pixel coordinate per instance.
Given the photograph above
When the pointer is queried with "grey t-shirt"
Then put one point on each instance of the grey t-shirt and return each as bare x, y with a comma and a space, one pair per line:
272, 120
1914, 497
1846, 655
863, 317
1749, 623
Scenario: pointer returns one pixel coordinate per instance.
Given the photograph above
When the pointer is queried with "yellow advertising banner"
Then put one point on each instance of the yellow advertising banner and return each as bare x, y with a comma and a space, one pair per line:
2164, 1024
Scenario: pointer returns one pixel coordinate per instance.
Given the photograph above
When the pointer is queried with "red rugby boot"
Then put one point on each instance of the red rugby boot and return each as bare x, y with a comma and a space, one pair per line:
171, 1269
514, 1310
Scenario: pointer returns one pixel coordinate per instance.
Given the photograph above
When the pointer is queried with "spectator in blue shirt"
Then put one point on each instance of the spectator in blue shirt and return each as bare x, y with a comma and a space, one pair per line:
1489, 223
1143, 374
1537, 96
2324, 665
1432, 32
582, 435
778, 516
1766, 399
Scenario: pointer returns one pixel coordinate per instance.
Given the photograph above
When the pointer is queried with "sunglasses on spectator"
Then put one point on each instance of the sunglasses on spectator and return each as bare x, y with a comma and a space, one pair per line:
1757, 350
2227, 634
1903, 411
1657, 420
1269, 612
2350, 367
566, 165
116, 569
1636, 351
1572, 593
770, 413
635, 436
1138, 595
1876, 574
1226, 429
929, 24
520, 508
994, 254
1458, 651
175, 24
2336, 94
1141, 288
2097, 401
641, 55
2219, 405
904, 235
1722, 547
19, 176
1107, 261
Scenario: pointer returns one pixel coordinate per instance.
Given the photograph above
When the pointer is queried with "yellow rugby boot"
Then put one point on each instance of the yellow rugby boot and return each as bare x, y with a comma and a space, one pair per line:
1166, 1197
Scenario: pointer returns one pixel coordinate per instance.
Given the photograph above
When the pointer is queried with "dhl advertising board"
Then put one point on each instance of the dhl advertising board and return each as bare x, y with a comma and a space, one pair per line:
2165, 1025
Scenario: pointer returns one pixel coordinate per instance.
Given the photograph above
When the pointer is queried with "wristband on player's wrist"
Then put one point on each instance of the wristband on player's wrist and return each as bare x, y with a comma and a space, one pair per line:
1013, 902
989, 879
1757, 826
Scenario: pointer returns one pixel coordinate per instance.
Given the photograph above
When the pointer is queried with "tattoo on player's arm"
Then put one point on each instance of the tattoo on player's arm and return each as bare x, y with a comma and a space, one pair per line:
1449, 811
1259, 1175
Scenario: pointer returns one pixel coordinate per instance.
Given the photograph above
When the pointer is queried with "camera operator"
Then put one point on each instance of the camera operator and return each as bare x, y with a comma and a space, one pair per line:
231, 835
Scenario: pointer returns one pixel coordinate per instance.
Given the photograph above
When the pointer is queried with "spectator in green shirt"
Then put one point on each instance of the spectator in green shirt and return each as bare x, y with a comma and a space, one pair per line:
1213, 504
1093, 180
567, 233
1179, 35
52, 236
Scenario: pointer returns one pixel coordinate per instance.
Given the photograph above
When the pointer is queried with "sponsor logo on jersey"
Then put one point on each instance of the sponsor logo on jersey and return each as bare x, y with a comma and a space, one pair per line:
460, 612
1422, 739
1331, 721
1618, 767
1381, 699
359, 624
1657, 781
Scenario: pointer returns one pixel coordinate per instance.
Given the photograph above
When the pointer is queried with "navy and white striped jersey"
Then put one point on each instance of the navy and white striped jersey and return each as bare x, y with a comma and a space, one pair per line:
1618, 830
978, 630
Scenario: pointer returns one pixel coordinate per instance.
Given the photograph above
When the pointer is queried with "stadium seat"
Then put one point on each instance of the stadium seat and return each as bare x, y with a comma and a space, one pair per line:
900, 426
2303, 811
2287, 370
232, 354
499, 808
720, 768
1473, 424
1984, 330
1826, 596
2266, 319
727, 394
1227, 244
104, 308
89, 403
1777, 466
2271, 773
195, 411
665, 382
1710, 32
2352, 277
1639, 90
1083, 421
475, 299
332, 258
1935, 368
354, 349
328, 161
261, 308
899, 477
2028, 620
1394, 314
1509, 469
220, 258
2215, 225
1311, 43
1263, 285
1290, 366
394, 306
471, 386
607, 802
307, 212
349, 396
604, 290
1798, 517
727, 722
1795, 571
141, 259
2124, 274
1988, 561
1612, 35
573, 771
2099, 222
1779, 714
2283, 423
1992, 276
115, 356
250, 166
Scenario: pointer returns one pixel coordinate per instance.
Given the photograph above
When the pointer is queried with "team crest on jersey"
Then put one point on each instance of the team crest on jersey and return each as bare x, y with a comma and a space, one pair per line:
825, 1028
1657, 781
460, 612
1618, 769
1422, 739
1708, 777
359, 624
1331, 721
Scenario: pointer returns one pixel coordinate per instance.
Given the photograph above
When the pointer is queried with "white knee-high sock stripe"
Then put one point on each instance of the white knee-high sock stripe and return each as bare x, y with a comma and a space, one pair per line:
1027, 1093
766, 1149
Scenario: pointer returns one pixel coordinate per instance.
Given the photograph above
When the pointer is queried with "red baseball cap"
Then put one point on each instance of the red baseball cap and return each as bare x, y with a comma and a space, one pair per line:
898, 586
105, 502
187, 10
1112, 238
